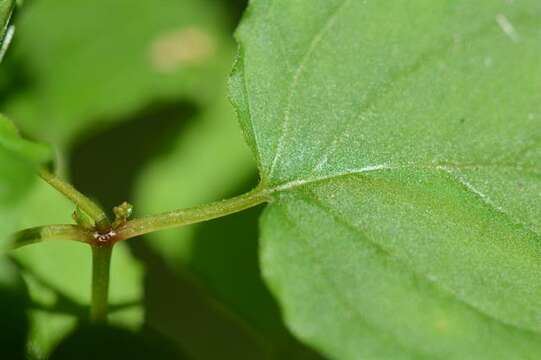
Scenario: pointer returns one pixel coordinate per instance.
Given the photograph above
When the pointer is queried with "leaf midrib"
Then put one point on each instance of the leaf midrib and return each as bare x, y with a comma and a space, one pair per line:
446, 168
293, 184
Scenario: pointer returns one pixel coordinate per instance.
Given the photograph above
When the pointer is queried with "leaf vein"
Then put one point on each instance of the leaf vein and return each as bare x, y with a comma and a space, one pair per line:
293, 184
335, 289
417, 275
314, 43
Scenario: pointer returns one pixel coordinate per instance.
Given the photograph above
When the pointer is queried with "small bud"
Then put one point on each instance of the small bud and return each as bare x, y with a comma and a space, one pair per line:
82, 219
122, 214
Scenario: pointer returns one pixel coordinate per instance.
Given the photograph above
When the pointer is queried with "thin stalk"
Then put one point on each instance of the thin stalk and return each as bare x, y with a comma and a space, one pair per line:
101, 263
49, 232
83, 202
193, 215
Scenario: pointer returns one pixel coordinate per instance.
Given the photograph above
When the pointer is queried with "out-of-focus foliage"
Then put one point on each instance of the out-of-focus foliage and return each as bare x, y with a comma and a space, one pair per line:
18, 161
75, 63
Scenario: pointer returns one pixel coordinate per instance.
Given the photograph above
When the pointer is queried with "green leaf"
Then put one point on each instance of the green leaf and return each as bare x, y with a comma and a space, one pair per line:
76, 64
20, 149
402, 142
18, 161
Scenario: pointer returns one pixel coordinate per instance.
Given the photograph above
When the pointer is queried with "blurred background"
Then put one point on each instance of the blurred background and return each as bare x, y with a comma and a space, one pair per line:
133, 97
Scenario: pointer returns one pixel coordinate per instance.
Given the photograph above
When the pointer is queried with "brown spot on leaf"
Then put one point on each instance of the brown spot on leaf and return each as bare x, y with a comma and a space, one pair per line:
441, 325
174, 50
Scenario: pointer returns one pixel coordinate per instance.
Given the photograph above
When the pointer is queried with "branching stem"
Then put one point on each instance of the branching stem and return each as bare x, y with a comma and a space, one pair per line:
83, 202
102, 235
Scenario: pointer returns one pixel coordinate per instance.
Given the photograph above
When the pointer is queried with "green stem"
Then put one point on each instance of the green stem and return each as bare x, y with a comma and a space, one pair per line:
182, 217
101, 262
49, 232
88, 206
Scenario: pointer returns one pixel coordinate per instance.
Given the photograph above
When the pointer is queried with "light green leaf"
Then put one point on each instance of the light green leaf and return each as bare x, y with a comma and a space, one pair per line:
18, 161
402, 142
76, 64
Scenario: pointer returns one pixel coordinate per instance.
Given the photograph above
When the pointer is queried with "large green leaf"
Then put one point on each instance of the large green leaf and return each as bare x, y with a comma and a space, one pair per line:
76, 64
402, 142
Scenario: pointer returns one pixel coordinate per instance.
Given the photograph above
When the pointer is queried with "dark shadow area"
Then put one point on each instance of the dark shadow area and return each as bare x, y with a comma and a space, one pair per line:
108, 342
181, 309
14, 301
15, 76
63, 304
105, 164
236, 9
225, 256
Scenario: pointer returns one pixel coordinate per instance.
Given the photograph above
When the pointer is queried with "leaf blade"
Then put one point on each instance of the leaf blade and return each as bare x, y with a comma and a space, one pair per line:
417, 124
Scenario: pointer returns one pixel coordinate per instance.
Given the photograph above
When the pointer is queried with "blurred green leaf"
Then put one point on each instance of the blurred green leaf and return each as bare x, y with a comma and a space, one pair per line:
93, 62
401, 140
18, 161
76, 65
11, 141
